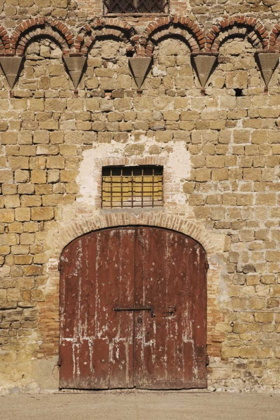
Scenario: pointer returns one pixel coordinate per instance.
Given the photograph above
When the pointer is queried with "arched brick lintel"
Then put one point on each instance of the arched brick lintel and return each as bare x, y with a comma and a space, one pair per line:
4, 40
212, 243
237, 26
274, 40
170, 26
103, 28
40, 27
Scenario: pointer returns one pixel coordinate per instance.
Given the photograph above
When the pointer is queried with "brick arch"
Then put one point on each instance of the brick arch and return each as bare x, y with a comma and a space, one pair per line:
4, 41
274, 40
103, 29
59, 238
212, 243
171, 26
35, 28
237, 26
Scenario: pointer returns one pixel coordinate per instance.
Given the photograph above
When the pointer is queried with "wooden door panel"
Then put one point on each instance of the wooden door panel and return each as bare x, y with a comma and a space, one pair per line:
170, 346
162, 348
97, 273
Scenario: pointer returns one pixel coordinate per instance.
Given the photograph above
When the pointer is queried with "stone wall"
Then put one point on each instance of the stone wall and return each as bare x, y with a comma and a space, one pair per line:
221, 152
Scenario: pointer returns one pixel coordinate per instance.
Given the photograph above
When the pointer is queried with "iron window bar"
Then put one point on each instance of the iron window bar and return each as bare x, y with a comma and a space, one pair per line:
132, 186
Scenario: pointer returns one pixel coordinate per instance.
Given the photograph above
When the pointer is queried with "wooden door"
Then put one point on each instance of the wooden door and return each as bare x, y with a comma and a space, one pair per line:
96, 344
133, 310
170, 276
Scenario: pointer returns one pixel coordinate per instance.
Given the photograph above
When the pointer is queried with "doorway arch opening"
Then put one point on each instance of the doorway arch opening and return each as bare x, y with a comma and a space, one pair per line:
133, 310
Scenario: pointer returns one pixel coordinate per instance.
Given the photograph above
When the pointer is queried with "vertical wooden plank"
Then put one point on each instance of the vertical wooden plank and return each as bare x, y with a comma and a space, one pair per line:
68, 290
199, 317
66, 370
150, 358
189, 280
98, 276
91, 256
69, 308
177, 285
120, 291
169, 273
83, 376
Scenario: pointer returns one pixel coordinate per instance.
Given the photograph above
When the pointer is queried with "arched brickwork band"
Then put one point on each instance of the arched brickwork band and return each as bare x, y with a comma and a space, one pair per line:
142, 43
274, 40
40, 27
98, 29
237, 26
181, 27
212, 243
4, 41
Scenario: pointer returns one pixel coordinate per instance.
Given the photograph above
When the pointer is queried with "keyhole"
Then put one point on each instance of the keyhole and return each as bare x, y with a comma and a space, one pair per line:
139, 320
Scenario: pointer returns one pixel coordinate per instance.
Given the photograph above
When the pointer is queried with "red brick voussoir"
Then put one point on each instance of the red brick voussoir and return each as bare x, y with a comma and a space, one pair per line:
237, 26
41, 27
100, 28
184, 27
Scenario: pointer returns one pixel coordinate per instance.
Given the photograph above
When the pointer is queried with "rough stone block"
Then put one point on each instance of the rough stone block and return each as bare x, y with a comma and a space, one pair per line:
42, 213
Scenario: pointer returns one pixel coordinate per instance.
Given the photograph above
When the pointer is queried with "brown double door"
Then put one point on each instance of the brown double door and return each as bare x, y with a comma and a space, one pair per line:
133, 310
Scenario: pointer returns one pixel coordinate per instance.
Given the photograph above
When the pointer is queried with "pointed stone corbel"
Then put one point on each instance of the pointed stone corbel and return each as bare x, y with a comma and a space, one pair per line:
204, 64
139, 68
11, 68
75, 65
267, 62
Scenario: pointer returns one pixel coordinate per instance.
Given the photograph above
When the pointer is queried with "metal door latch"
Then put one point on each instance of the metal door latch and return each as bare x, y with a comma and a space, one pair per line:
135, 309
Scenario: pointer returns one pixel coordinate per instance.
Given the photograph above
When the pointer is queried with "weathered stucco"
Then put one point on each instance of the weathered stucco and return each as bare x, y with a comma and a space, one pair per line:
177, 163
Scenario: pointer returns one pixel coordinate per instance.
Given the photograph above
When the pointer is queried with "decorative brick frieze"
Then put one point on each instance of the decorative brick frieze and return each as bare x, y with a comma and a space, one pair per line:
40, 27
142, 43
267, 62
274, 40
4, 41
182, 27
102, 28
75, 65
237, 26
139, 68
204, 64
11, 67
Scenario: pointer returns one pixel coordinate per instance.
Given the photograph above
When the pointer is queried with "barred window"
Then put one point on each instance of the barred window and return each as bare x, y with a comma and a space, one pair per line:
135, 6
132, 186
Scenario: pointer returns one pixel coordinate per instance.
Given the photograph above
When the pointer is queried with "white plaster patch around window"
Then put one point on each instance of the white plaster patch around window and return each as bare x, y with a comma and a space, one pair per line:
176, 161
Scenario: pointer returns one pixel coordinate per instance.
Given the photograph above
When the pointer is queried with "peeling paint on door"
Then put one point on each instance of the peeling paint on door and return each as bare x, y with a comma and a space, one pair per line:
133, 310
